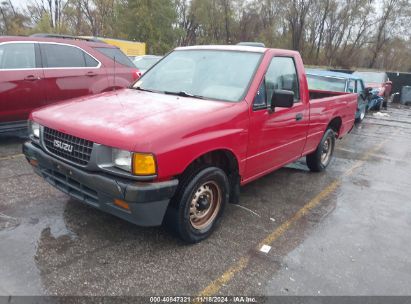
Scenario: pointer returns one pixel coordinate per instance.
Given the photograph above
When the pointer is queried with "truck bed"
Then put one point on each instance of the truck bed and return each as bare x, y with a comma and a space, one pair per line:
323, 106
316, 94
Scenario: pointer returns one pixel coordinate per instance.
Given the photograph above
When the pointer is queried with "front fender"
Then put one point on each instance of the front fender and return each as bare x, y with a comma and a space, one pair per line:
178, 157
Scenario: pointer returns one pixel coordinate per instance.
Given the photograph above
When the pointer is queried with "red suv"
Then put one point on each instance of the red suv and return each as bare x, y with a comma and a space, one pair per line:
42, 69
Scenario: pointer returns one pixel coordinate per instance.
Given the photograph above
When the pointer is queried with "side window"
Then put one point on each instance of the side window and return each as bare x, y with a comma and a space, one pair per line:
115, 53
282, 75
260, 100
90, 61
351, 86
62, 56
17, 56
1, 55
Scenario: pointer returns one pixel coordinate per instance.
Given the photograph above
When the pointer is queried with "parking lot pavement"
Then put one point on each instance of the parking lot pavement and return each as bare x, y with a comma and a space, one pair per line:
345, 231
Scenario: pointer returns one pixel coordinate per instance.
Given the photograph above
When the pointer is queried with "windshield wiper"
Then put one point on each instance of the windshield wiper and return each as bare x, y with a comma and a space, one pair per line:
144, 90
184, 94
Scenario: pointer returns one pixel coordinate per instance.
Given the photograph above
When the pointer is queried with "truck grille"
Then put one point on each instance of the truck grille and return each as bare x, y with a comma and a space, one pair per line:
71, 148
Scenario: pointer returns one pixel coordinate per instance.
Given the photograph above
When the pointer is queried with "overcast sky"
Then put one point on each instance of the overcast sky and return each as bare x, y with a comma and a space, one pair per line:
20, 3
23, 3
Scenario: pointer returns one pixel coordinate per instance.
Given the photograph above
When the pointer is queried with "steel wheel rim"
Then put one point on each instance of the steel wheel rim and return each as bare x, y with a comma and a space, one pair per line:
326, 151
205, 205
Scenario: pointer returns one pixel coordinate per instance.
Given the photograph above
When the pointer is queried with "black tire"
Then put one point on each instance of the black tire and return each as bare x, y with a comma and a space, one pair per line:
178, 218
315, 160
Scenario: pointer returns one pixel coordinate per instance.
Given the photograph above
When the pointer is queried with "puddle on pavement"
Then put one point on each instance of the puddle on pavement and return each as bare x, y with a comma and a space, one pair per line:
22, 232
8, 222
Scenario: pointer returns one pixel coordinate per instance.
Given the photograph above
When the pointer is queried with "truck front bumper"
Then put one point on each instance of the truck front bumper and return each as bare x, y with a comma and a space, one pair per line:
147, 202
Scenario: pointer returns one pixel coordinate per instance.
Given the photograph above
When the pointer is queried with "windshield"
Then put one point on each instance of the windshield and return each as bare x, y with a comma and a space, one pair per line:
371, 77
323, 83
210, 74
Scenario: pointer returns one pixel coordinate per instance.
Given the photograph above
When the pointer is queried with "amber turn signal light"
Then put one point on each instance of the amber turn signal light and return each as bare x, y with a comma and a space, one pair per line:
34, 162
144, 164
122, 204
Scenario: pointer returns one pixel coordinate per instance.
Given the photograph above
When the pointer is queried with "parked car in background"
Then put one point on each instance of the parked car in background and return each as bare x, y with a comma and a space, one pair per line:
176, 147
379, 82
131, 49
144, 63
323, 80
39, 70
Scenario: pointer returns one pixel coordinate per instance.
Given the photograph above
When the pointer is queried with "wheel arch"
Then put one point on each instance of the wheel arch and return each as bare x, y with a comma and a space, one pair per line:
224, 159
335, 124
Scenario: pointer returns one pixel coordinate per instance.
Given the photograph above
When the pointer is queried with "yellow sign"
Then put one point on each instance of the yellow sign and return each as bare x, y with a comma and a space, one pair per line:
130, 48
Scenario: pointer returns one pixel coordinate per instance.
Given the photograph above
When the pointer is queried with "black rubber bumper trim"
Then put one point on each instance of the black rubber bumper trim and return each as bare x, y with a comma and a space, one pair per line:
148, 201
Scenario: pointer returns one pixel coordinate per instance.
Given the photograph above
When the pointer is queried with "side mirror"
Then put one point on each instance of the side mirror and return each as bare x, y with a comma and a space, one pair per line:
282, 99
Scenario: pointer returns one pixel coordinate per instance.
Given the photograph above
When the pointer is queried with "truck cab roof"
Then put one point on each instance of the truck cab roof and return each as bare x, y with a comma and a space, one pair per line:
326, 73
241, 48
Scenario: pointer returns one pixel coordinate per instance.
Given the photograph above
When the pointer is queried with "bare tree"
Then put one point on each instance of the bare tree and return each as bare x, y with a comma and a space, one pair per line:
392, 11
53, 9
296, 15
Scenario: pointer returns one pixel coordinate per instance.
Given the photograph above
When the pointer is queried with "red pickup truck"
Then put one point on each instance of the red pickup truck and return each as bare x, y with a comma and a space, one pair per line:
177, 145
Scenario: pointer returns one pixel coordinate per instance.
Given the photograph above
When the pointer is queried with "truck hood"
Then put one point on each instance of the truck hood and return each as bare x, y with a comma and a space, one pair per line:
133, 120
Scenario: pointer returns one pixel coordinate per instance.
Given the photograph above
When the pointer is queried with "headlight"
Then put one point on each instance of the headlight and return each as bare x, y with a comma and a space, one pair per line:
136, 163
122, 159
34, 129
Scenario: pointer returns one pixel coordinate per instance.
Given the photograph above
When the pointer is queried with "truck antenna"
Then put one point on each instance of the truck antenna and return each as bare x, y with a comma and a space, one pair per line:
114, 80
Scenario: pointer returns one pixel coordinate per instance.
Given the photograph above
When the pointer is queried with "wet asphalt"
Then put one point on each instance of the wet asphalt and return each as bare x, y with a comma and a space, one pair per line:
346, 231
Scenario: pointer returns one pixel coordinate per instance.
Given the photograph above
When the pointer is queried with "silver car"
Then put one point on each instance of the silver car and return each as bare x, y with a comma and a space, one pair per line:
144, 63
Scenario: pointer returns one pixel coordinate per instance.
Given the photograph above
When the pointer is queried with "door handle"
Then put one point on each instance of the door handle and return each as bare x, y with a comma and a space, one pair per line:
32, 78
91, 74
299, 116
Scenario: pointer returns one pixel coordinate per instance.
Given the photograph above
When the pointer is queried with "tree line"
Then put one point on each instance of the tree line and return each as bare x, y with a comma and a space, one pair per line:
341, 33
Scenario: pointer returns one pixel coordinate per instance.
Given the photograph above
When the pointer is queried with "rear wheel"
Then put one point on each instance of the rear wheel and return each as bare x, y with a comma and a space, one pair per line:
318, 160
198, 204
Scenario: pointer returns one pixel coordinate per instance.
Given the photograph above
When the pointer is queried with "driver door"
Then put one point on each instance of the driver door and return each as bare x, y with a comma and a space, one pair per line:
276, 137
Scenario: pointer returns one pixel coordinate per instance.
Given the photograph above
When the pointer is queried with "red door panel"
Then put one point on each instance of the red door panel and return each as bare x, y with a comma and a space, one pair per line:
20, 93
70, 72
21, 81
64, 84
276, 138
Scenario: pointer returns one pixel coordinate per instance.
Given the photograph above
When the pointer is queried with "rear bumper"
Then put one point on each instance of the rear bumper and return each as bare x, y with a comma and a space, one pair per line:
148, 202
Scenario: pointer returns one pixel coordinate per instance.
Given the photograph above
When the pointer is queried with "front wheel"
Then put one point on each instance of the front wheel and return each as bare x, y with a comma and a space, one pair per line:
318, 160
198, 204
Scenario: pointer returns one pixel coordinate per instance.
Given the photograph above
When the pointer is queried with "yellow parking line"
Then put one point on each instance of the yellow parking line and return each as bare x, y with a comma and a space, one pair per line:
11, 157
242, 263
269, 239
226, 277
